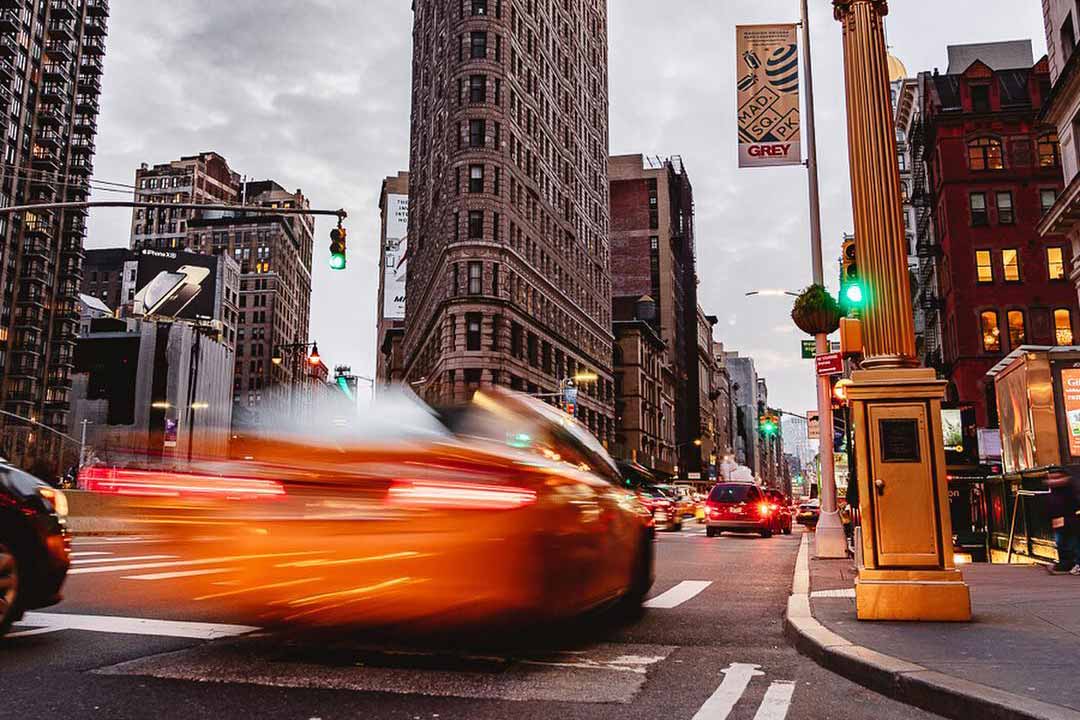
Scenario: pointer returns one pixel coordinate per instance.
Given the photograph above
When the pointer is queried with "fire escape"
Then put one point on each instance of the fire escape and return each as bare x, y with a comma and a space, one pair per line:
926, 247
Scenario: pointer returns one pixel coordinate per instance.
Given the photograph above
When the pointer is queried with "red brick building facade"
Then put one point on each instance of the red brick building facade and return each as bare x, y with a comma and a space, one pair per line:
993, 171
508, 281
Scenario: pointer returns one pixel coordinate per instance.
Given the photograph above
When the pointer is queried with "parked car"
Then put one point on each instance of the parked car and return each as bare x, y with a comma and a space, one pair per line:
808, 514
34, 546
738, 507
662, 506
781, 511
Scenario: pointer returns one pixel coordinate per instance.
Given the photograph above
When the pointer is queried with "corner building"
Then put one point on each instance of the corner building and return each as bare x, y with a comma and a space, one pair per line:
508, 277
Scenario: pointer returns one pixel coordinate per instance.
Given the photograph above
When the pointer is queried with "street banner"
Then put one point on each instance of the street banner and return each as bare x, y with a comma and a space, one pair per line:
767, 77
813, 425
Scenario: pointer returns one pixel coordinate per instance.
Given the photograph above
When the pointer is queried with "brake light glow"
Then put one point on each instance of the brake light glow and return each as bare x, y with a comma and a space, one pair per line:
143, 483
460, 496
764, 508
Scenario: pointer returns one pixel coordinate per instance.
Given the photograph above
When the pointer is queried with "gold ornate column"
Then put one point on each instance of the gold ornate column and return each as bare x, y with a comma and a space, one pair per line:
888, 322
907, 570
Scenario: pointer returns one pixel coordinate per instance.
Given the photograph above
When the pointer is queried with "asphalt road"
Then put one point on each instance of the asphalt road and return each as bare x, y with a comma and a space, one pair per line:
130, 641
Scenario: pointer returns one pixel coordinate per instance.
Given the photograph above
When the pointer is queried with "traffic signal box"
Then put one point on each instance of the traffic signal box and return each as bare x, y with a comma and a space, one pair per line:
337, 248
852, 290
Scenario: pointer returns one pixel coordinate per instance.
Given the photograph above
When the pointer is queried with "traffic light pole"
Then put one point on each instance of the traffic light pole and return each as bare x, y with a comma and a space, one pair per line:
829, 540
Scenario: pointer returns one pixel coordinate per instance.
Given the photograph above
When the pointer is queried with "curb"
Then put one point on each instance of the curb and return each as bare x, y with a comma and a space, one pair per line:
898, 679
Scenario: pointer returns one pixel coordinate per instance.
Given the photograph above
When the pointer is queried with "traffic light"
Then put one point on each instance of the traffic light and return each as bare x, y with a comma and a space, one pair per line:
337, 248
769, 424
852, 289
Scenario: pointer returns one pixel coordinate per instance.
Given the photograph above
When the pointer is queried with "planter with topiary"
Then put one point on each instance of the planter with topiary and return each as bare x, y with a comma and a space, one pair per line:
816, 311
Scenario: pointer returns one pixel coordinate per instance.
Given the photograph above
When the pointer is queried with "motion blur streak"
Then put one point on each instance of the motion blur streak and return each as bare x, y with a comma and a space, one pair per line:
269, 586
351, 561
156, 484
459, 495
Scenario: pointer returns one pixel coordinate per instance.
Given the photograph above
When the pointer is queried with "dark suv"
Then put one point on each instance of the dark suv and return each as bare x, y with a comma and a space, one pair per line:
738, 507
34, 546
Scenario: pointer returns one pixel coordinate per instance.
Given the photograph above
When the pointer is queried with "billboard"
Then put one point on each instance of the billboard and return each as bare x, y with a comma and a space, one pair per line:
1070, 390
394, 256
173, 284
767, 77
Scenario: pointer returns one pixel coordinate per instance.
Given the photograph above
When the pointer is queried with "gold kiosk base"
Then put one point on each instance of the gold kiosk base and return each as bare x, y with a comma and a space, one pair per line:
908, 571
919, 595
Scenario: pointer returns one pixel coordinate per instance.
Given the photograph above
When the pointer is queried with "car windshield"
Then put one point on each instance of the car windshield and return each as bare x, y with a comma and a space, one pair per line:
732, 493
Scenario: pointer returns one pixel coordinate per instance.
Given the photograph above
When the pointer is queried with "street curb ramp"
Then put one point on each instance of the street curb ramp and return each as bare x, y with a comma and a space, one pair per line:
898, 679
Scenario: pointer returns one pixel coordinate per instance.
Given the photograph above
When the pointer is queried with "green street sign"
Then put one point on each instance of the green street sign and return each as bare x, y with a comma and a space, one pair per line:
809, 349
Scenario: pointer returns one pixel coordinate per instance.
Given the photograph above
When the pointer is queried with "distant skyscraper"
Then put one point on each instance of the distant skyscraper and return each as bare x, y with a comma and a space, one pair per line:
508, 280
50, 68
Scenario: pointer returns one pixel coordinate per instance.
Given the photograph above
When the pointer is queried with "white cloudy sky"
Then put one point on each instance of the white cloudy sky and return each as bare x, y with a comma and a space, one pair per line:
315, 94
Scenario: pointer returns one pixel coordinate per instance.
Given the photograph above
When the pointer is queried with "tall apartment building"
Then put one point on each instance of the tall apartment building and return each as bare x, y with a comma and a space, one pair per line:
390, 303
1062, 110
50, 67
508, 201
203, 178
994, 170
652, 254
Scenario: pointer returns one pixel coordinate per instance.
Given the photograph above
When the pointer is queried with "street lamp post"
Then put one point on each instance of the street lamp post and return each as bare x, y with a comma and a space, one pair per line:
908, 571
295, 351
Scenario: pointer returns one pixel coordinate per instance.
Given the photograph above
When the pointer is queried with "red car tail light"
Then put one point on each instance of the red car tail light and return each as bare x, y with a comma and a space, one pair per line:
143, 483
458, 496
764, 508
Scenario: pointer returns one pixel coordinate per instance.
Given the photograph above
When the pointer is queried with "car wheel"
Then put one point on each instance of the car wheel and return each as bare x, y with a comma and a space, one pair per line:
9, 587
787, 530
710, 532
641, 579
766, 533
677, 527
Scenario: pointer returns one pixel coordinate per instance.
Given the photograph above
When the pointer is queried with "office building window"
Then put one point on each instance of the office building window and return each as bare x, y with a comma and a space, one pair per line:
476, 278
1010, 262
478, 45
984, 266
472, 331
1049, 152
985, 154
1063, 329
1017, 329
476, 133
477, 88
977, 203
1047, 198
1055, 263
476, 178
479, 7
1005, 208
991, 331
476, 224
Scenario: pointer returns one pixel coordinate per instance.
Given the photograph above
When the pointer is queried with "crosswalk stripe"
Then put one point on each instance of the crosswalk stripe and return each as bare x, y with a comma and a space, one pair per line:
776, 702
136, 558
178, 574
720, 704
136, 626
679, 594
182, 563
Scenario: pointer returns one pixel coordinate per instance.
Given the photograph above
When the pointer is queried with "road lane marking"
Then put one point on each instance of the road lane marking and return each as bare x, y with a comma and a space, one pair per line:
35, 631
736, 679
178, 574
679, 594
840, 593
136, 558
776, 702
182, 563
136, 626
87, 554
269, 586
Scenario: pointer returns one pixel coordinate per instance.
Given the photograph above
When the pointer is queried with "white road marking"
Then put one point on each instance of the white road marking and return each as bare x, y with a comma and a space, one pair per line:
136, 626
178, 574
679, 594
777, 701
99, 561
182, 563
841, 593
35, 631
736, 680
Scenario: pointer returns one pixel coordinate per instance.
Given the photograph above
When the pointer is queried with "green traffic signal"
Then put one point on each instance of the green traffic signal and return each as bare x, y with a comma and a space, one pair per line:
337, 248
337, 261
854, 294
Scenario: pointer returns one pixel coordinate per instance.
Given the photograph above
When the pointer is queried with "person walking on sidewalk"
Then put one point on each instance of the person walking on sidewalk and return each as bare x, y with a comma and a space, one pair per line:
1062, 505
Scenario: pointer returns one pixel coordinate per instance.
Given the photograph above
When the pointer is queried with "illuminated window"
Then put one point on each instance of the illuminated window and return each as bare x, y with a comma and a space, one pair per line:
1049, 154
1010, 260
1055, 263
991, 331
983, 266
985, 154
1063, 329
1017, 329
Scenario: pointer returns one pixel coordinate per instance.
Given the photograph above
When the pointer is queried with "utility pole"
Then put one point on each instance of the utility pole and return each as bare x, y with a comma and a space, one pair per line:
829, 540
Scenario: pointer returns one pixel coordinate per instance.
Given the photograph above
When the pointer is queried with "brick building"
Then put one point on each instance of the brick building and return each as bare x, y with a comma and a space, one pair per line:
993, 171
652, 254
508, 280
390, 303
103, 275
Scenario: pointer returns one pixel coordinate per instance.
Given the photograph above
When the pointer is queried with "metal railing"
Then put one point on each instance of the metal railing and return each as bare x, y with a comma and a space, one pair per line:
1017, 498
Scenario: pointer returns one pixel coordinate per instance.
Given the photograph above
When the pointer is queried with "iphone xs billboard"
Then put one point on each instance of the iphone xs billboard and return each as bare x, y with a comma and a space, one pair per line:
172, 284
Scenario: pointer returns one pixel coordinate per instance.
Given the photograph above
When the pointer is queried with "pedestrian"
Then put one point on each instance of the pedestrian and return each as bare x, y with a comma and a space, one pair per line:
1062, 507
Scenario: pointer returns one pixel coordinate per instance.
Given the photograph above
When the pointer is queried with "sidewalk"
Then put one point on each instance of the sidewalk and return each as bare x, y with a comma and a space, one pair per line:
1019, 658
